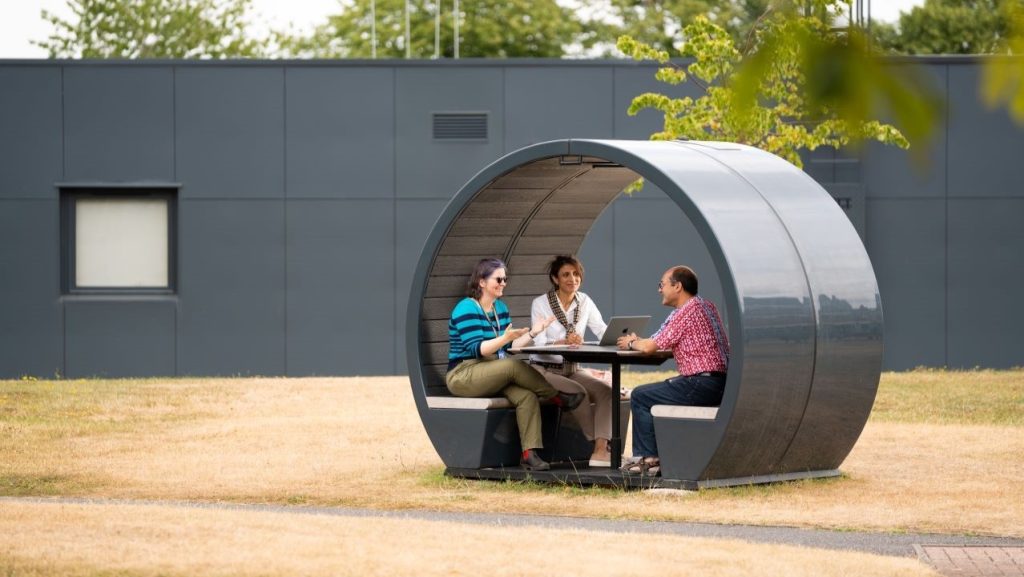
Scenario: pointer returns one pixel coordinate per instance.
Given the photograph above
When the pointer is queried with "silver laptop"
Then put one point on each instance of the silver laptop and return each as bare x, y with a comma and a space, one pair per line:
620, 326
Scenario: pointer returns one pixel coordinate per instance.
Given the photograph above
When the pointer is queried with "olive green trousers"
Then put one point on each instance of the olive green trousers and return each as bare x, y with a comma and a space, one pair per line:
517, 381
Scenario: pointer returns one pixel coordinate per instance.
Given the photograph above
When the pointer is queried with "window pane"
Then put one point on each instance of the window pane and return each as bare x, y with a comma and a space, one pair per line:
121, 242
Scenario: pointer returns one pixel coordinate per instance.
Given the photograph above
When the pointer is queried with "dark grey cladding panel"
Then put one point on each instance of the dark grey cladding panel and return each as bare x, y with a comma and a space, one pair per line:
652, 235
891, 172
598, 263
230, 131
334, 152
31, 328
436, 169
232, 287
341, 315
910, 262
632, 81
120, 337
985, 271
119, 123
984, 158
413, 220
31, 156
545, 103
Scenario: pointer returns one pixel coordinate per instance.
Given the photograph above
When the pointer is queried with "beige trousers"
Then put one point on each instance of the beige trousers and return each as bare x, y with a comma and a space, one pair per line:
595, 413
516, 381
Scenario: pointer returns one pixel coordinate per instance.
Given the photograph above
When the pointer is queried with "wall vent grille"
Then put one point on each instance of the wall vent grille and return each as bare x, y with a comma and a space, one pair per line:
460, 126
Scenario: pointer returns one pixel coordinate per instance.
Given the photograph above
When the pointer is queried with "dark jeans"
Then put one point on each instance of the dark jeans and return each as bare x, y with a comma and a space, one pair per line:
695, 391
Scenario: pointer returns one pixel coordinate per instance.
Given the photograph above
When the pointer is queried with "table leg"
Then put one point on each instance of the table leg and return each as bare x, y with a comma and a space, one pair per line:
616, 441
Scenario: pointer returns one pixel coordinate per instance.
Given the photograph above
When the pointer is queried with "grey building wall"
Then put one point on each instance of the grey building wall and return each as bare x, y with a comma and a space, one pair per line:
305, 191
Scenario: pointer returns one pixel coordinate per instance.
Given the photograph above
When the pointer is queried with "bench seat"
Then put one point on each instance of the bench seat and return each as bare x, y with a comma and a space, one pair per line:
684, 412
468, 403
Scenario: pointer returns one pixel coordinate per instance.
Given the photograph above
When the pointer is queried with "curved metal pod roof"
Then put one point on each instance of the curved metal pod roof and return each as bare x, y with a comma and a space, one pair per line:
805, 319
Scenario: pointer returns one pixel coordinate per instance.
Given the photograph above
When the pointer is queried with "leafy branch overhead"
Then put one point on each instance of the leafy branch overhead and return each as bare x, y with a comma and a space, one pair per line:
151, 29
797, 83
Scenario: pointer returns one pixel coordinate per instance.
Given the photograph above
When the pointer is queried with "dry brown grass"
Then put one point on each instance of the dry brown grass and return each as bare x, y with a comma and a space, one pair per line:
71, 540
359, 442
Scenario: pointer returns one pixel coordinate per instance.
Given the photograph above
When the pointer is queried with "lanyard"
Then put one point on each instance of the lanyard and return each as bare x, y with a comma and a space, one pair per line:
497, 322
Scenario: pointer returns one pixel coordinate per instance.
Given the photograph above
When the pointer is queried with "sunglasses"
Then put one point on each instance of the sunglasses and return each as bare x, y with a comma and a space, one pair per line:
501, 279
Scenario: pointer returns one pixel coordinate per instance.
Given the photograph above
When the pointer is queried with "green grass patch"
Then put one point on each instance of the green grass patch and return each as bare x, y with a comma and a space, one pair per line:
937, 396
56, 409
40, 486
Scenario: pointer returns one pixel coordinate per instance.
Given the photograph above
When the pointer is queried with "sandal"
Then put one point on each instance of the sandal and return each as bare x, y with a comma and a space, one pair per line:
647, 466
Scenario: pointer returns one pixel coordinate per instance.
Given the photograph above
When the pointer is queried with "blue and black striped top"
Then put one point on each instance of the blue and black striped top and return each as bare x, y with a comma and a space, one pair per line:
469, 326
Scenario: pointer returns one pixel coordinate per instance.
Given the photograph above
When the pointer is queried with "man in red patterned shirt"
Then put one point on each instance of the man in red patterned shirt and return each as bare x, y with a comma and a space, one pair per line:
694, 332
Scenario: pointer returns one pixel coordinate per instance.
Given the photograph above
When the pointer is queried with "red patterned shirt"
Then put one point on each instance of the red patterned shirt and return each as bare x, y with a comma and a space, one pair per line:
695, 334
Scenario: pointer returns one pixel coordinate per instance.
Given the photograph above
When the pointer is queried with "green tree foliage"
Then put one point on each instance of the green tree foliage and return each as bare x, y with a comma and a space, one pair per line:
151, 29
1003, 75
797, 85
950, 27
660, 23
487, 28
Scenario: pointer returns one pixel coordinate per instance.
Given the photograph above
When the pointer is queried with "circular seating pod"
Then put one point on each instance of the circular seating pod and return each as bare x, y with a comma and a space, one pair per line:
805, 318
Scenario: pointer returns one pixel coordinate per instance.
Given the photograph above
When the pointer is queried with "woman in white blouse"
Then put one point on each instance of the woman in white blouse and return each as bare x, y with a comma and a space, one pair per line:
574, 313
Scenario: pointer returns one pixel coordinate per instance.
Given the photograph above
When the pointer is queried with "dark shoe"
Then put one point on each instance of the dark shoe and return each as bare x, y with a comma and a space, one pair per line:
568, 401
533, 462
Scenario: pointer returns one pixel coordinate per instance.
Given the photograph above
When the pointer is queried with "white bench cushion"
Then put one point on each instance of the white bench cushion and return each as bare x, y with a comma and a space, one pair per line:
684, 412
468, 403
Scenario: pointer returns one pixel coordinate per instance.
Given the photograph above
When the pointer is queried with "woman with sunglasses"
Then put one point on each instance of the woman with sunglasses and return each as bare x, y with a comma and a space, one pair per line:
575, 312
480, 333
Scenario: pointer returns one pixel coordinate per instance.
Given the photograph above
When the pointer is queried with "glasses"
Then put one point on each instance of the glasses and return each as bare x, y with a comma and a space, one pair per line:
501, 279
661, 284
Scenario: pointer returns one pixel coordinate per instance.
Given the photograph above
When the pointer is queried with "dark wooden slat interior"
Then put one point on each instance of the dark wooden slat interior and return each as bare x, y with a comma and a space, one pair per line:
549, 245
441, 286
576, 210
482, 244
498, 209
505, 227
489, 195
560, 227
536, 211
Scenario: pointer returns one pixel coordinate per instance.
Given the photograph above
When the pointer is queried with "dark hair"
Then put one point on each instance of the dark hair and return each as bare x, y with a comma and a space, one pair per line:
558, 262
686, 276
482, 270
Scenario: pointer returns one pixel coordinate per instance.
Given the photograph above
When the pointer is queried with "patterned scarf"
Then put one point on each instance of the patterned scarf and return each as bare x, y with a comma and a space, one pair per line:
570, 328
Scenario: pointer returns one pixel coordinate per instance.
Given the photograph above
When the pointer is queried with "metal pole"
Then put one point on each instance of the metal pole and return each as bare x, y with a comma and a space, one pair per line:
408, 47
456, 13
373, 29
437, 29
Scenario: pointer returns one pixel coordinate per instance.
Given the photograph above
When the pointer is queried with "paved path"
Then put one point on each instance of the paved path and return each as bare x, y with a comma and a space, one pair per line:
958, 555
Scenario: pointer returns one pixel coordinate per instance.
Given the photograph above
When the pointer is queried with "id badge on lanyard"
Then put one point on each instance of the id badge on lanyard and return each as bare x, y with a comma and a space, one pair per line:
501, 353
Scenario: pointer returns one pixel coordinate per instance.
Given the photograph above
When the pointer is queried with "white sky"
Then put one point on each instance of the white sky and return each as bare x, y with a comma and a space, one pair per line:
20, 20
